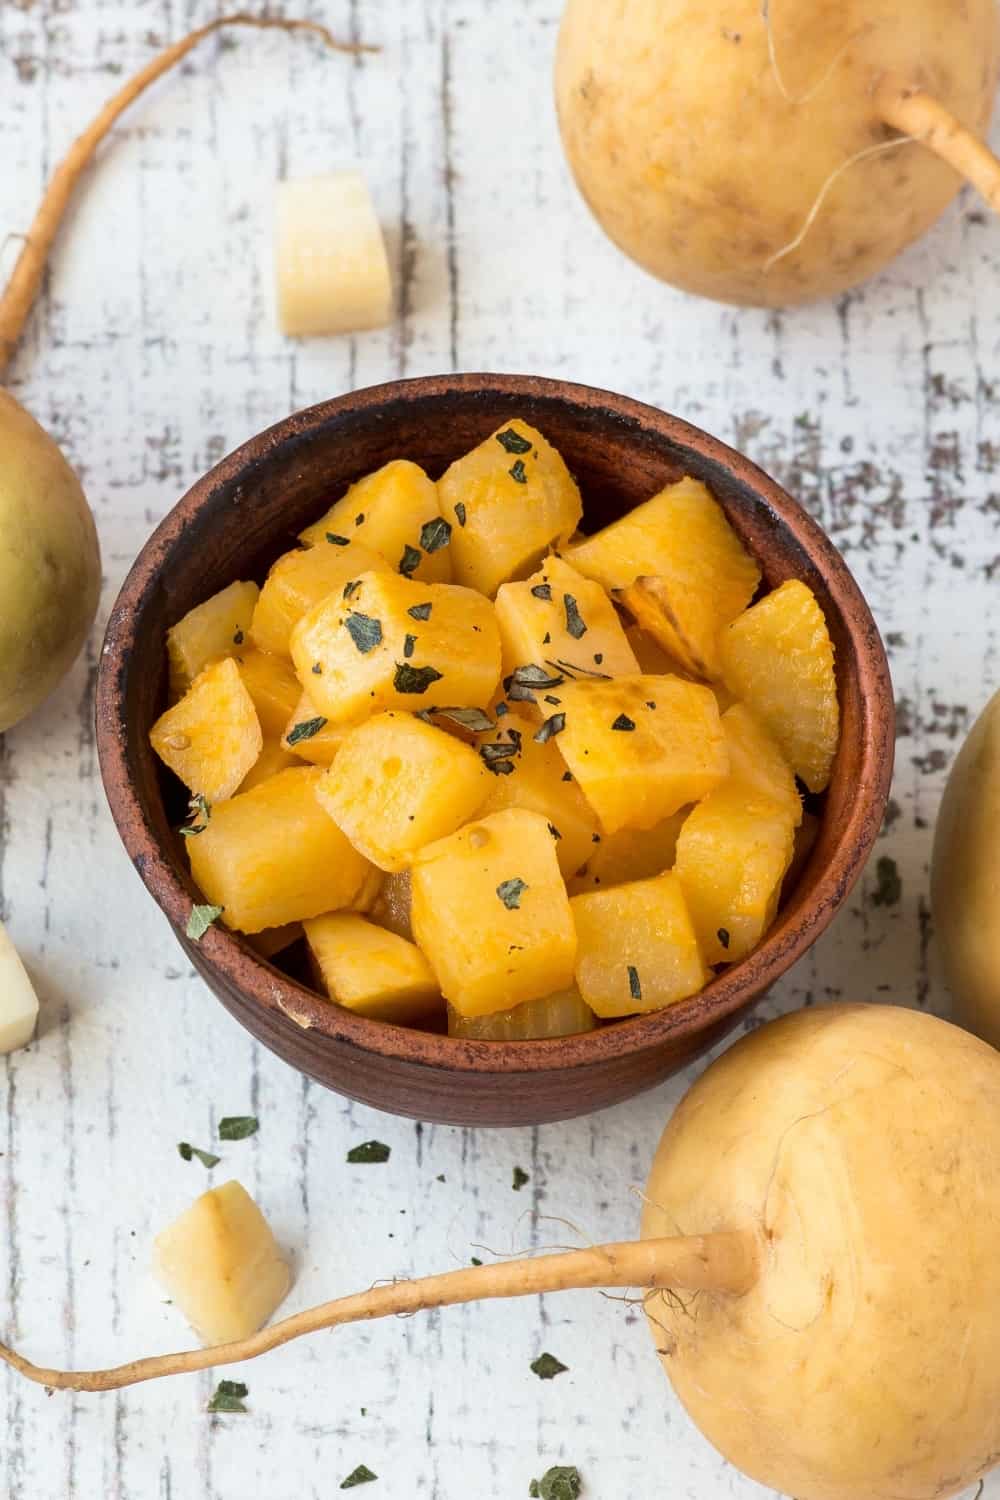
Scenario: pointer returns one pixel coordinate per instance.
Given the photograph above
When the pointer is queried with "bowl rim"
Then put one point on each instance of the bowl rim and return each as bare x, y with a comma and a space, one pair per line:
255, 979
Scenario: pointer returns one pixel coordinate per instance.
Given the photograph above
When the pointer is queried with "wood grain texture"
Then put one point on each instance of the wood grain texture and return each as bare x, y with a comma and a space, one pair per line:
154, 352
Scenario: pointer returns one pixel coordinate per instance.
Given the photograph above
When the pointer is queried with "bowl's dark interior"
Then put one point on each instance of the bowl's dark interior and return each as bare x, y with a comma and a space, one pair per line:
248, 510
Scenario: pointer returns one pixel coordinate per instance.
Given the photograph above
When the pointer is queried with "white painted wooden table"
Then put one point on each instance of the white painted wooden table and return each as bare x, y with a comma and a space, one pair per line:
154, 351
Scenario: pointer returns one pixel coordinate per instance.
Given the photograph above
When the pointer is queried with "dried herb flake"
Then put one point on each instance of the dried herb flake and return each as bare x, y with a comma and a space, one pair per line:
199, 811
200, 921
409, 642
467, 718
414, 679
365, 632
229, 1396
547, 1367
553, 830
369, 1153
510, 892
555, 724
409, 562
187, 1152
560, 1483
542, 591
723, 936
518, 472
238, 1127
512, 441
238, 638
890, 885
634, 986
336, 540
519, 1178
435, 534
623, 722
419, 611
305, 730
351, 587
575, 623
460, 513
361, 1475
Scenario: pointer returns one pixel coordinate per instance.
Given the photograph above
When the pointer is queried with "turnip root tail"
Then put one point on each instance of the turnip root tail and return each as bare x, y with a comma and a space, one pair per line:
908, 109
18, 298
726, 1264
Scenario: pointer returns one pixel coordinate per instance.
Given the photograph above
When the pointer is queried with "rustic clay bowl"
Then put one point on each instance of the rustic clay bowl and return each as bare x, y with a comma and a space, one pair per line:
241, 515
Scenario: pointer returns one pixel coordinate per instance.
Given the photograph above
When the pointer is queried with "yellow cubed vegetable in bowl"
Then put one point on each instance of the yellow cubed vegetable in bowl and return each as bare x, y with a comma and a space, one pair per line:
394, 512
216, 628
310, 736
732, 855
398, 784
636, 947
273, 855
491, 914
221, 1265
273, 686
629, 854
641, 747
509, 502
272, 759
394, 643
211, 738
693, 574
534, 776
563, 1014
371, 971
777, 658
299, 580
756, 761
557, 615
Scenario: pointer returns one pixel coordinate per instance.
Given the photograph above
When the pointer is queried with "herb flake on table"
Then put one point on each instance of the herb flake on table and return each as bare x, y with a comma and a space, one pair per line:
414, 679
361, 1475
365, 632
513, 442
510, 892
238, 1127
575, 623
369, 1153
547, 1367
890, 884
518, 472
518, 1178
305, 730
435, 534
200, 921
409, 562
229, 1396
560, 1483
187, 1152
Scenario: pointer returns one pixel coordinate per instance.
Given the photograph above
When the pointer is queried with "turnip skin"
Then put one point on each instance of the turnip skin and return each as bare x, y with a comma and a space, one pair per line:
864, 1144
702, 157
50, 565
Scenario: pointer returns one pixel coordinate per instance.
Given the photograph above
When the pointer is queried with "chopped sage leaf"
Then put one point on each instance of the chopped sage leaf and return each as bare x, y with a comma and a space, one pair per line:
497, 750
520, 1177
572, 669
553, 830
555, 724
365, 632
500, 767
414, 679
890, 885
187, 1152
634, 987
359, 518
542, 591
200, 921
419, 611
560, 1483
575, 623
317, 668
460, 513
518, 472
369, 1153
337, 540
518, 694
510, 892
512, 441
650, 703
435, 534
361, 1475
199, 812
409, 561
305, 730
546, 638
547, 1367
532, 676
567, 776
238, 1127
475, 1260
409, 642
549, 698
229, 1396
723, 936
238, 638
351, 587
623, 722
598, 657
467, 718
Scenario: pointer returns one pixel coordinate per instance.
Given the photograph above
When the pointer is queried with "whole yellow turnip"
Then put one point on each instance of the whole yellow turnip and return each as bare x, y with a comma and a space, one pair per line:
820, 1253
765, 151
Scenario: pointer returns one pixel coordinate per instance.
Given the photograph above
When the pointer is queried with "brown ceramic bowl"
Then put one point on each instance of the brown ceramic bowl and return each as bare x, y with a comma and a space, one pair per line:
241, 515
